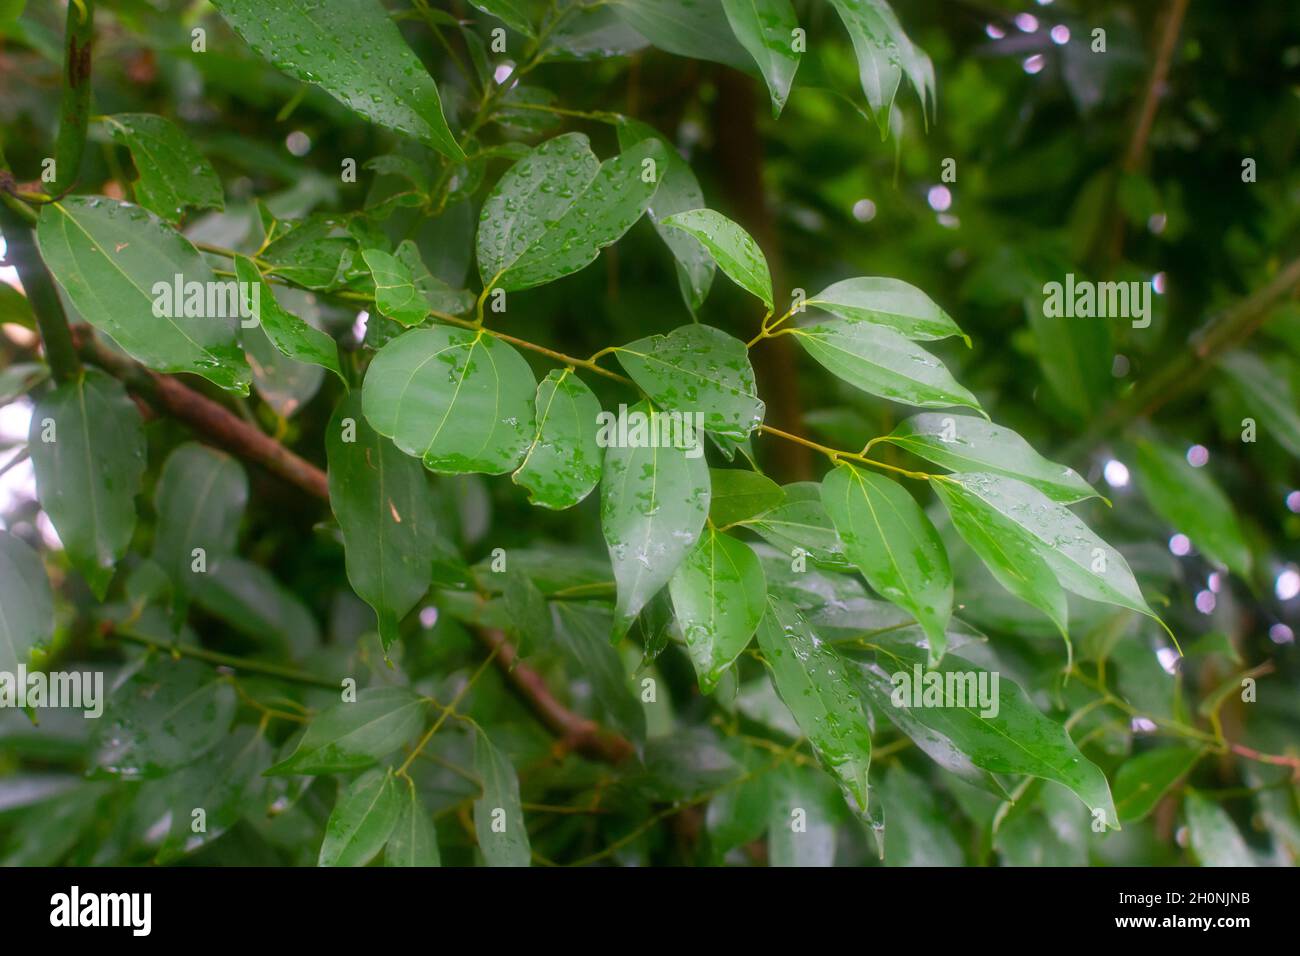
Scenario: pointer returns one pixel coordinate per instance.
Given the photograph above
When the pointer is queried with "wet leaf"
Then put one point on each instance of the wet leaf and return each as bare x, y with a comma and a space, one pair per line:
698, 370
167, 715
174, 175
815, 684
1008, 552
1083, 563
720, 595
741, 495
891, 303
970, 739
732, 248
881, 362
967, 443
654, 501
678, 191
890, 540
563, 463
352, 50
885, 55
291, 336
119, 264
395, 293
555, 209
460, 400
687, 28
765, 28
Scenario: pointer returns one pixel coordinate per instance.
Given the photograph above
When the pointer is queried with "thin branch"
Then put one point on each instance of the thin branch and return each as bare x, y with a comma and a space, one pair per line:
217, 659
216, 424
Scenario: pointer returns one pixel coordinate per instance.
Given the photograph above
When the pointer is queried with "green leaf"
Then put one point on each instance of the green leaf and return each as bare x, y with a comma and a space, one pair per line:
1215, 839
438, 295
698, 370
562, 465
890, 540
965, 738
765, 28
284, 384
530, 614
884, 55
967, 443
678, 191
26, 603
353, 51
199, 500
1142, 781
734, 250
888, 302
167, 715
802, 524
414, 841
814, 682
802, 819
720, 595
1189, 500
1076, 358
395, 292
654, 501
460, 400
291, 336
740, 495
515, 215
498, 814
88, 474
582, 632
738, 815
353, 736
509, 12
173, 174
1009, 553
919, 833
685, 27
1266, 388
222, 784
116, 261
362, 820
1082, 562
381, 499
555, 209
881, 362
249, 598
314, 253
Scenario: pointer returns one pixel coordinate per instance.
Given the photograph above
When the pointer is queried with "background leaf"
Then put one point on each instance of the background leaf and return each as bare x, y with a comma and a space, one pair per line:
89, 475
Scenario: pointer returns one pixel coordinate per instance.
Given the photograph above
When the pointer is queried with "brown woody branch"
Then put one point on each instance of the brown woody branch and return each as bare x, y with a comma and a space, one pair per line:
221, 427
